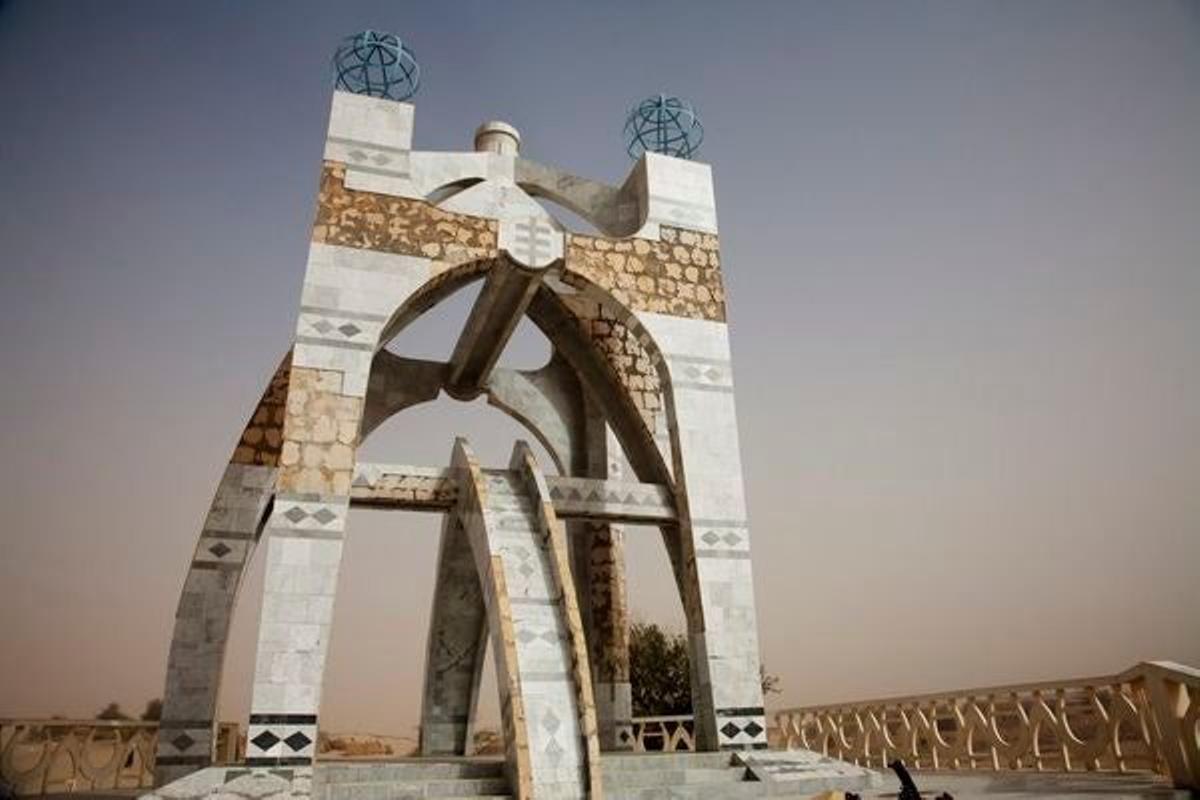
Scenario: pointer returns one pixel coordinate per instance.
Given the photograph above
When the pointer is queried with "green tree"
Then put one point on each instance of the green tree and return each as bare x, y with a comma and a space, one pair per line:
112, 711
659, 672
153, 712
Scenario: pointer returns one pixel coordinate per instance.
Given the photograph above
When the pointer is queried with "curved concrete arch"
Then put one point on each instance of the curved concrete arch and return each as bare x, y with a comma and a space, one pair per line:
539, 400
547, 402
226, 543
561, 328
653, 370
429, 294
440, 194
615, 211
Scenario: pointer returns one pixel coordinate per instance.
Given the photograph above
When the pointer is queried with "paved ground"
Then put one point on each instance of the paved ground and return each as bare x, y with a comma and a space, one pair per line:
962, 786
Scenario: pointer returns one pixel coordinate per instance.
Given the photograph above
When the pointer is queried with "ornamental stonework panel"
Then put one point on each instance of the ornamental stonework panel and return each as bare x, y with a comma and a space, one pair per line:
679, 275
322, 424
400, 225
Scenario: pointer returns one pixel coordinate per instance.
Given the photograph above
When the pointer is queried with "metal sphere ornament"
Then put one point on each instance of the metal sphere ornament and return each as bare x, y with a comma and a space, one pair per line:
377, 64
663, 124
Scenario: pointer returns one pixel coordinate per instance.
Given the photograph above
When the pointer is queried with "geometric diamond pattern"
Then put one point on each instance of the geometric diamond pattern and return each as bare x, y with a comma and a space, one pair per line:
220, 550
297, 741
554, 752
265, 740
324, 516
711, 537
349, 330
753, 729
182, 742
730, 730
295, 514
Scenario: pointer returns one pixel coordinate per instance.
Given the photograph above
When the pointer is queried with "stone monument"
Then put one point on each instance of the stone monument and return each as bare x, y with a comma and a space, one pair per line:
531, 555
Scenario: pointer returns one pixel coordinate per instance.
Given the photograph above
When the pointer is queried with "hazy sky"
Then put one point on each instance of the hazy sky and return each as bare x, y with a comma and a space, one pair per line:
962, 246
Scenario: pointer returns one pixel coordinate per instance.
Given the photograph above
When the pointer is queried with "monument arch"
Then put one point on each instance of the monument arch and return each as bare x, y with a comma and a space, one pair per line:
640, 374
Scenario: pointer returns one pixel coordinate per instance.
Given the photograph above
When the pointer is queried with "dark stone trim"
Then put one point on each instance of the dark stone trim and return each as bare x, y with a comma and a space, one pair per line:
212, 533
286, 719
279, 761
191, 761
741, 712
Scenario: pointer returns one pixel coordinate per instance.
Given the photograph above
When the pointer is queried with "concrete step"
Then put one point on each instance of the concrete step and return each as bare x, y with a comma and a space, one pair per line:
332, 773
396, 789
692, 791
652, 776
634, 778
665, 761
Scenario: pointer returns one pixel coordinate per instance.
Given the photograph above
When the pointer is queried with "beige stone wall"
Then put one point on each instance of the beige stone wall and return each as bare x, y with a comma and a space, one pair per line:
397, 224
678, 275
322, 432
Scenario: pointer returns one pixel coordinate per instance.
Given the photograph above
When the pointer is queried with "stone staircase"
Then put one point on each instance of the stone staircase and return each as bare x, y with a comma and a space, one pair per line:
728, 775
644, 776
464, 779
626, 776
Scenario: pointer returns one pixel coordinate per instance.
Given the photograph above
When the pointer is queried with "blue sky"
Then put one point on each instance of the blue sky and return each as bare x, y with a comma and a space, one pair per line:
962, 247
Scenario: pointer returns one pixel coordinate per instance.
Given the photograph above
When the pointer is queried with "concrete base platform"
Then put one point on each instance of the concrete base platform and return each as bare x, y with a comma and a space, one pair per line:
650, 776
736, 774
645, 776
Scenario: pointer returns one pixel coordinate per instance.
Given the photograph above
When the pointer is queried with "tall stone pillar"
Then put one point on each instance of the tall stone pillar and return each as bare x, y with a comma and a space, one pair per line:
601, 565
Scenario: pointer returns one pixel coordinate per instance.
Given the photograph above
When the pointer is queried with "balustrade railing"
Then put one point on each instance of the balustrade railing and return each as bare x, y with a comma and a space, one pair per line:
663, 734
1144, 719
40, 756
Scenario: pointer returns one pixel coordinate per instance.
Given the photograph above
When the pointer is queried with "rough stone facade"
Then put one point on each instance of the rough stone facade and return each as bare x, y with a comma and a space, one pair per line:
322, 432
680, 274
628, 359
262, 439
400, 225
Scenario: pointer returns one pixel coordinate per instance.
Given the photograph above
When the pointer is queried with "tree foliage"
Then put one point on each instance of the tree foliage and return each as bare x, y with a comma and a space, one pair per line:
112, 711
659, 672
153, 712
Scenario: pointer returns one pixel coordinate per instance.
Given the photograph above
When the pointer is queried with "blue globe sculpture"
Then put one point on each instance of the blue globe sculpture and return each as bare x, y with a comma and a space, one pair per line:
663, 124
377, 64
